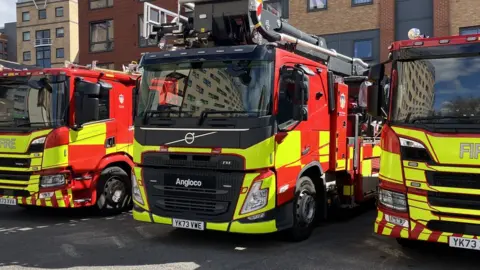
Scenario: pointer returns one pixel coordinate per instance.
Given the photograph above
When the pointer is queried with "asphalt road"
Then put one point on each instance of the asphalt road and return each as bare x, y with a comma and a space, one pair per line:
77, 240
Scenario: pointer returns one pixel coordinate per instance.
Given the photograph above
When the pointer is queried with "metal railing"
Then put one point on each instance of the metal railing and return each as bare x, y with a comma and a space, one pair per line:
43, 42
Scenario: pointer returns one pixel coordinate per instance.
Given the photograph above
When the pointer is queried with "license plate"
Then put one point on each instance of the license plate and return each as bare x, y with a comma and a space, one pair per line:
467, 243
8, 201
188, 224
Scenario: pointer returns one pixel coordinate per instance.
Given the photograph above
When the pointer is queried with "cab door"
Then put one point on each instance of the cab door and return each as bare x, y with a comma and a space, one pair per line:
89, 142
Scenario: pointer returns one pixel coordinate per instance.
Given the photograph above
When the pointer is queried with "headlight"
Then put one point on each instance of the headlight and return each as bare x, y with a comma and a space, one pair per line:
56, 180
409, 143
257, 198
40, 140
137, 195
412, 150
393, 200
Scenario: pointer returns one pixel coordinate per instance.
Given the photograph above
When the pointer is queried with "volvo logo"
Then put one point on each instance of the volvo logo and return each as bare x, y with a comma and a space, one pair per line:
471, 149
190, 138
7, 143
188, 183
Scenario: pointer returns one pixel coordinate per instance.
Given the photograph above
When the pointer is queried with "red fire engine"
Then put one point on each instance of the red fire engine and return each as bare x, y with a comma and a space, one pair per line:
265, 138
66, 137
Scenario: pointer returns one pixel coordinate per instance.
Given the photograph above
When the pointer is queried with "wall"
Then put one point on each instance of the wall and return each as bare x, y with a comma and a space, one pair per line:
340, 16
463, 13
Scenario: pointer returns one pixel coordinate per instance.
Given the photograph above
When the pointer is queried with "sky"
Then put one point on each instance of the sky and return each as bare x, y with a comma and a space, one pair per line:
8, 11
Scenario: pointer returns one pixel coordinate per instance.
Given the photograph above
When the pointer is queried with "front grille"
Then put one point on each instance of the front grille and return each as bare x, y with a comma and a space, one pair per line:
455, 180
15, 162
214, 200
15, 176
200, 161
454, 227
454, 200
196, 206
14, 192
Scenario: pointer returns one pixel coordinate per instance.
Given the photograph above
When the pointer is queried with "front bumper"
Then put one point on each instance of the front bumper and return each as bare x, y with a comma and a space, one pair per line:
54, 199
274, 220
422, 230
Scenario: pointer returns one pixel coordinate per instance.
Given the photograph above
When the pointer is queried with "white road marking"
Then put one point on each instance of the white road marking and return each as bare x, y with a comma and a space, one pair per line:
41, 227
117, 242
25, 229
143, 233
70, 250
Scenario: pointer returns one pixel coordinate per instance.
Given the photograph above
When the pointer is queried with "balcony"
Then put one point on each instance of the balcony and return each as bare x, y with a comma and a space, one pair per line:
39, 42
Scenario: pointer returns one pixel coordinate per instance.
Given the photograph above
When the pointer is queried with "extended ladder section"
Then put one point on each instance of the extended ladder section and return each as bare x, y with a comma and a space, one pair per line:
210, 23
130, 69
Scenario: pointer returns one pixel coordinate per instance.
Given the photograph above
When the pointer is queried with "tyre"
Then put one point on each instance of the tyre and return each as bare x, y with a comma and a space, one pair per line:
114, 192
304, 210
407, 243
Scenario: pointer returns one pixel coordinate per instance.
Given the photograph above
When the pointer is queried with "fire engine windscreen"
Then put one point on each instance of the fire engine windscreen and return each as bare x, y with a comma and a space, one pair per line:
32, 102
240, 88
437, 90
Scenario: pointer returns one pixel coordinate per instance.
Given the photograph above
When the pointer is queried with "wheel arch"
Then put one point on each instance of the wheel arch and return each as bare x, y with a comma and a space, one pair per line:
315, 172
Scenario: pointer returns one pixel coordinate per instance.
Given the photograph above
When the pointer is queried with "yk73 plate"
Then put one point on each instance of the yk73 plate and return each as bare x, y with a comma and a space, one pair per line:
467, 243
188, 224
8, 201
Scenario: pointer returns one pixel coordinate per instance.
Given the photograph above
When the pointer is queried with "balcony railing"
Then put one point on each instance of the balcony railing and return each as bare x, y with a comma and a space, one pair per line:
43, 42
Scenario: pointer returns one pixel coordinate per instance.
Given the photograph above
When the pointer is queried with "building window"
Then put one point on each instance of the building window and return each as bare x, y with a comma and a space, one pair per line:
44, 57
26, 36
26, 16
142, 41
277, 7
314, 5
59, 12
106, 65
101, 36
27, 56
60, 53
363, 49
60, 32
94, 4
43, 33
42, 14
470, 30
361, 2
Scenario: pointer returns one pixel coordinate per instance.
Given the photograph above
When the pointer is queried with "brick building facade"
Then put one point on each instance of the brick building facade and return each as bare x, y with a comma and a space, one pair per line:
365, 28
110, 31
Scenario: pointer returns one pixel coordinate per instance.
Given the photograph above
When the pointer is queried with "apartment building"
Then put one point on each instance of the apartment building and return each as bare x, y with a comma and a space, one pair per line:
365, 28
110, 31
47, 32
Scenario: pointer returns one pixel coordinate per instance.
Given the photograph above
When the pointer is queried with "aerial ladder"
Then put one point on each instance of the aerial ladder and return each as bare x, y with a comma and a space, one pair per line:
235, 22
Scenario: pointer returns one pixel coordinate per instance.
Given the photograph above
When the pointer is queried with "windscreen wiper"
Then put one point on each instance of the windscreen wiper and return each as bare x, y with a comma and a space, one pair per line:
204, 114
35, 123
156, 114
436, 118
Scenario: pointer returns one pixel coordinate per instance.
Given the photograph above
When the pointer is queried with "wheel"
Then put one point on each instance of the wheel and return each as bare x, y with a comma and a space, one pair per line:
304, 210
407, 243
114, 192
